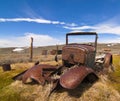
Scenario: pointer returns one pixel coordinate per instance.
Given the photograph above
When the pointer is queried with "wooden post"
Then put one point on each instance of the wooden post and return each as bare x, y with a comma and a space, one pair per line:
31, 49
57, 49
56, 56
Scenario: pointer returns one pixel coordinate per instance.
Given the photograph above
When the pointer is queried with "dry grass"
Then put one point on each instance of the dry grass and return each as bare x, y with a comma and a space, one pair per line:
115, 76
11, 90
99, 91
106, 89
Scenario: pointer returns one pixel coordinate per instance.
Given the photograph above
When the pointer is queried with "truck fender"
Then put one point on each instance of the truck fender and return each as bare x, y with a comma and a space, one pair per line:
73, 77
108, 60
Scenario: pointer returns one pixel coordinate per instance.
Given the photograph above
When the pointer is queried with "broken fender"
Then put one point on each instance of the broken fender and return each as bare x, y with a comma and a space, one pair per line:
108, 60
72, 78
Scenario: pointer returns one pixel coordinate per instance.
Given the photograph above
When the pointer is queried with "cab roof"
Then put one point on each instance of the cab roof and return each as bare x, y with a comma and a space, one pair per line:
81, 33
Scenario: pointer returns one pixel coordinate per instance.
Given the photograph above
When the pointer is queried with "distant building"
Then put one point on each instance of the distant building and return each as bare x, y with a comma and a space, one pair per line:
19, 50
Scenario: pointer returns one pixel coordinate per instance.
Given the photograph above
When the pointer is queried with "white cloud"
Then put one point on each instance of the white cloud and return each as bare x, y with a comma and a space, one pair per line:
38, 40
115, 40
36, 20
101, 28
79, 28
41, 40
25, 19
72, 25
111, 26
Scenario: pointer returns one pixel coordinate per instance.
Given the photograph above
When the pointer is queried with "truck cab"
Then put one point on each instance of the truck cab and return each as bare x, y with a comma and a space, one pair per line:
80, 53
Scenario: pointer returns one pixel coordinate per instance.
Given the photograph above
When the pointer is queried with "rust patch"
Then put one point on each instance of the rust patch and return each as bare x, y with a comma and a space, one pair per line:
38, 73
107, 60
72, 78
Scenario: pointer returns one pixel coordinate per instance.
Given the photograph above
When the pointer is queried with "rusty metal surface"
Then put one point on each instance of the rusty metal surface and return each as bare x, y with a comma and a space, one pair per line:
83, 33
78, 64
90, 59
54, 52
72, 54
72, 78
19, 76
107, 60
37, 73
76, 53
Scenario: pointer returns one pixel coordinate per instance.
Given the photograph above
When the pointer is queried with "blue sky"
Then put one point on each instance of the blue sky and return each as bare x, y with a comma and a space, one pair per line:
47, 21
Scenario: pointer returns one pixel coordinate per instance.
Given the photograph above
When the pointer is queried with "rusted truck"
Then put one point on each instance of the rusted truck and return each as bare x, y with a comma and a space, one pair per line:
79, 62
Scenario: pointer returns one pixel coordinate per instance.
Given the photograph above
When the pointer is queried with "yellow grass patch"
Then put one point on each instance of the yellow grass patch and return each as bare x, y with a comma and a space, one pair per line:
102, 90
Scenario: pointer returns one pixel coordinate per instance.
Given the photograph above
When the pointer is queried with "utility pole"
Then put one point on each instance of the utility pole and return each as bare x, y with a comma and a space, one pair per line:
31, 49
